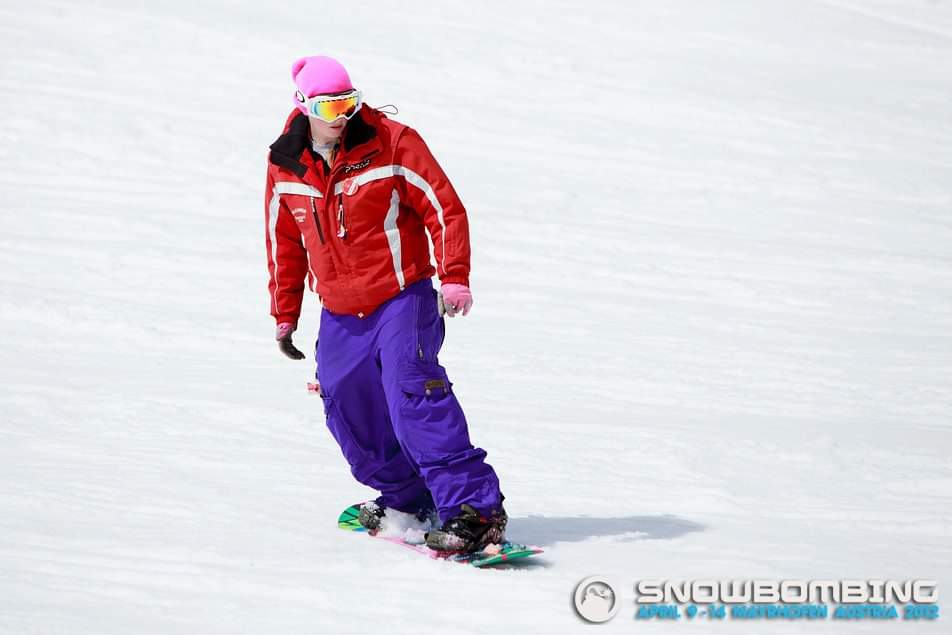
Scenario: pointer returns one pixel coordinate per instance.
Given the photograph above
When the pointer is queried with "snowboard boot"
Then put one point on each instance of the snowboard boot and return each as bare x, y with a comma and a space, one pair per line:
372, 516
469, 531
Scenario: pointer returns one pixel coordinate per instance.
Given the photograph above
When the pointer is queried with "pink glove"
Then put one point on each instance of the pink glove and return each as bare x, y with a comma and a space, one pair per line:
456, 298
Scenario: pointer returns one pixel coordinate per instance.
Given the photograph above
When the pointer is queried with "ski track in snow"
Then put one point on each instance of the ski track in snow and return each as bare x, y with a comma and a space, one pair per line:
711, 336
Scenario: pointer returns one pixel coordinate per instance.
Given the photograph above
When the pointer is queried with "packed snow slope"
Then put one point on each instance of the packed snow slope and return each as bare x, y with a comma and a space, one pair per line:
712, 335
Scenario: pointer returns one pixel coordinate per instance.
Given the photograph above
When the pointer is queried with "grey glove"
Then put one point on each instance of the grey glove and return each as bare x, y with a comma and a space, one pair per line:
283, 335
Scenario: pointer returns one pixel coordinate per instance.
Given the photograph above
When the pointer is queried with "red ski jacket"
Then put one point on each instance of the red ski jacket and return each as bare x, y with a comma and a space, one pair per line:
356, 230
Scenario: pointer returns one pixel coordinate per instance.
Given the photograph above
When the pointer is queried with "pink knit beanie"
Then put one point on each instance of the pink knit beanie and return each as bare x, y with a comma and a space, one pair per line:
319, 75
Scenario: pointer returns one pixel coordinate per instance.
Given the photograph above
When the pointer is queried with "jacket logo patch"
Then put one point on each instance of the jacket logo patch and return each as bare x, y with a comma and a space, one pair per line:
356, 166
299, 214
350, 186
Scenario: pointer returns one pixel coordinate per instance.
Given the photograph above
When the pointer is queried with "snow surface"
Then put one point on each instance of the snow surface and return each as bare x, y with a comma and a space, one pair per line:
713, 278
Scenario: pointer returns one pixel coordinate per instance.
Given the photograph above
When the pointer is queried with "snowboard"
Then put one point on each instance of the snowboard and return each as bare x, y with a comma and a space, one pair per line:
491, 555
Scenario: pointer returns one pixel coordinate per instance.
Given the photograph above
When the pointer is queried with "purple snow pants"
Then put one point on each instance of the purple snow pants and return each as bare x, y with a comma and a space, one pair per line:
391, 408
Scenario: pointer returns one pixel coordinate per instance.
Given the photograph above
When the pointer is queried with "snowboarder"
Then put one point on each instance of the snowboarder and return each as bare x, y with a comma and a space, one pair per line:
350, 197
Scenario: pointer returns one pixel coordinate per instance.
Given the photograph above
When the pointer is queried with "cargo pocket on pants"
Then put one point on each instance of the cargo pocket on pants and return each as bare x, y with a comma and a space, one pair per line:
425, 385
431, 420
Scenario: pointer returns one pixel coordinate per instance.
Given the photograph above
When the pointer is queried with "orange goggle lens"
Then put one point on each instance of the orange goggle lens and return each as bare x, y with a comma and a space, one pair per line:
330, 108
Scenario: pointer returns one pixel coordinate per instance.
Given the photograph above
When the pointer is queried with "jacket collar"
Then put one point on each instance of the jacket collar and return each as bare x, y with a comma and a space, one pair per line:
286, 151
360, 131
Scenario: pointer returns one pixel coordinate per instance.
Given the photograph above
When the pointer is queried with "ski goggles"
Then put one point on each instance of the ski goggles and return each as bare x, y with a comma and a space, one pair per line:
330, 108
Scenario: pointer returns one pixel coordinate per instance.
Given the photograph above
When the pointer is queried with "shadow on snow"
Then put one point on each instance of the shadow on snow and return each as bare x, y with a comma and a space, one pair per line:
545, 531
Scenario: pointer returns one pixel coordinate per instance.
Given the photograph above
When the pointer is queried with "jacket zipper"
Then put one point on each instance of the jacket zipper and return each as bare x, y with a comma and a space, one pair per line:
341, 229
317, 220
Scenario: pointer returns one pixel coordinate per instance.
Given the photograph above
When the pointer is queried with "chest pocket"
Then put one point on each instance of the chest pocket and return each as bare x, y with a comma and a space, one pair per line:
307, 211
305, 203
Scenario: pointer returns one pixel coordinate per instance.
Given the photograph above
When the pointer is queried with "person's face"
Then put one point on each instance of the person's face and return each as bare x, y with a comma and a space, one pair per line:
324, 132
